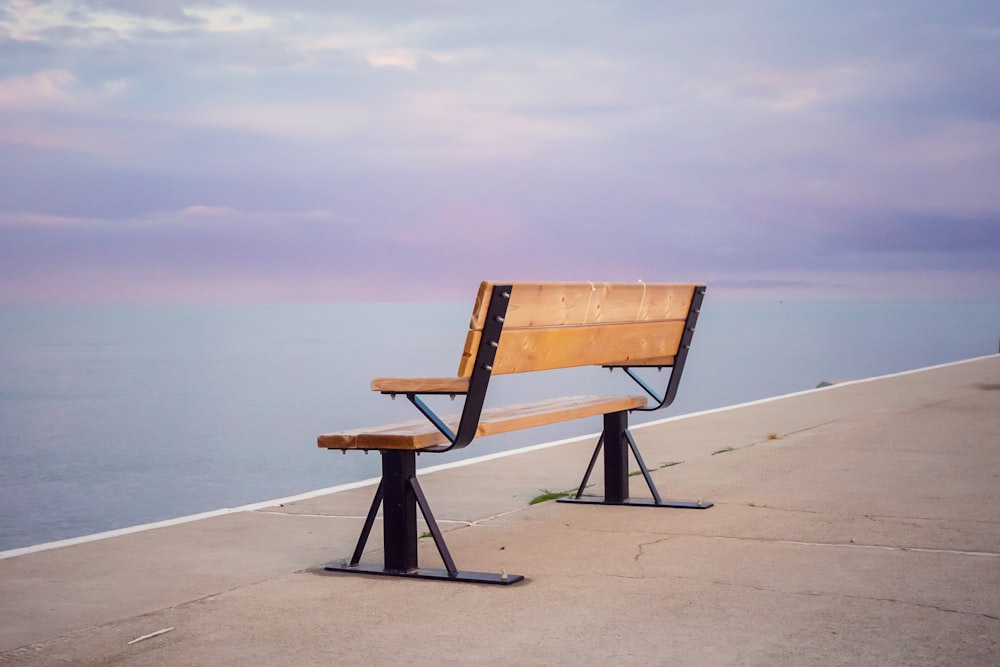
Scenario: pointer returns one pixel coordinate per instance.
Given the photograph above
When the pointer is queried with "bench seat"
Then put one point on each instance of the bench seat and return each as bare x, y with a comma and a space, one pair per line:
420, 434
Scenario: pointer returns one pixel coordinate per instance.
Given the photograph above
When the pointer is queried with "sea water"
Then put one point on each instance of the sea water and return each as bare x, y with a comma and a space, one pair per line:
112, 416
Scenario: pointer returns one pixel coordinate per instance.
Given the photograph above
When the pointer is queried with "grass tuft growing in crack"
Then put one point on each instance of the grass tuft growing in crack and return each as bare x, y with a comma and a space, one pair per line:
548, 495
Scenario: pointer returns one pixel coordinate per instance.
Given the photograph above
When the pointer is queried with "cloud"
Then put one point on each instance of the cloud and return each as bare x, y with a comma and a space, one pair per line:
48, 88
401, 59
40, 220
770, 146
53, 110
206, 243
172, 11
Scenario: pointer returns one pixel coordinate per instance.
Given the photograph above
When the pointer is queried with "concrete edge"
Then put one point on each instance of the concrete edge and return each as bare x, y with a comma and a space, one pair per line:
83, 539
831, 387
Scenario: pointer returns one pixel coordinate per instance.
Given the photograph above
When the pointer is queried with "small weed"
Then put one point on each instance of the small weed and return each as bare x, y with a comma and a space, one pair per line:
722, 451
772, 436
424, 534
548, 495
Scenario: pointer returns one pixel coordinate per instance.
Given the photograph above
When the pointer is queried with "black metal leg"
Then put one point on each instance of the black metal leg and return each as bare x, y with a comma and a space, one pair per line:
615, 458
367, 529
400, 495
643, 468
590, 467
425, 509
617, 442
399, 511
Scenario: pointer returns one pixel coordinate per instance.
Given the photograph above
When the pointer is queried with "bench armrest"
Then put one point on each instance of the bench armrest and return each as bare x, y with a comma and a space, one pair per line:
659, 362
421, 385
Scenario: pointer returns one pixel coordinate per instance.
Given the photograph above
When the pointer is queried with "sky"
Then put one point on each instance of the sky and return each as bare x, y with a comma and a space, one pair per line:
314, 150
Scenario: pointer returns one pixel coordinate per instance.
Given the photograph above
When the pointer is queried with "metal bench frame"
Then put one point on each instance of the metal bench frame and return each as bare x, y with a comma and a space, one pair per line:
399, 492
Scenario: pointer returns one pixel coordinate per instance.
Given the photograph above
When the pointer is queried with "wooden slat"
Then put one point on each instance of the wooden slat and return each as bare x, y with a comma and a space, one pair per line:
553, 411
565, 304
482, 305
546, 348
415, 434
420, 434
651, 361
562, 304
421, 385
468, 359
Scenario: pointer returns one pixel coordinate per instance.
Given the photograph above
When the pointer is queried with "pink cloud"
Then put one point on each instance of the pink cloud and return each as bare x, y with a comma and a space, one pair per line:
45, 89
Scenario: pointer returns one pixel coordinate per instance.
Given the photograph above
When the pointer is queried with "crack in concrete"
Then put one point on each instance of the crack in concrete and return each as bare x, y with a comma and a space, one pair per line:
109, 626
811, 428
779, 437
843, 545
498, 516
311, 516
921, 605
357, 517
642, 547
890, 517
765, 506
870, 517
764, 589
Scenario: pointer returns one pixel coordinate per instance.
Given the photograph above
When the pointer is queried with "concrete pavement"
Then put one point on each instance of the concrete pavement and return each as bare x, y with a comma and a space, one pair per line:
856, 524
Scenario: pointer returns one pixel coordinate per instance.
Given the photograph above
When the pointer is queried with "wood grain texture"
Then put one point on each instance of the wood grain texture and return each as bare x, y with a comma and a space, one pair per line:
421, 385
546, 348
658, 362
537, 311
481, 305
420, 434
564, 303
468, 359
568, 304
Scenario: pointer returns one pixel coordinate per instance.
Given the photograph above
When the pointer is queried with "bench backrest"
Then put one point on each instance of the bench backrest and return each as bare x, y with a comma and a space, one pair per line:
561, 325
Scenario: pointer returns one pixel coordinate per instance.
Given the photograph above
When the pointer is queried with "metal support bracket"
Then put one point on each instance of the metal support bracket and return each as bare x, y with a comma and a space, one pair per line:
677, 369
617, 441
399, 494
479, 379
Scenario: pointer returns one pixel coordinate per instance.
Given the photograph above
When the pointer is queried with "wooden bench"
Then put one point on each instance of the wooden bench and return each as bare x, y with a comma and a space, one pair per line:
517, 328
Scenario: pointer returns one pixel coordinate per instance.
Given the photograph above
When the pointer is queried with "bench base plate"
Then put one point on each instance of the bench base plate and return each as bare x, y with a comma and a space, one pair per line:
642, 502
502, 579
